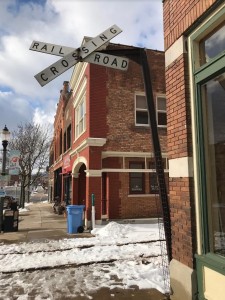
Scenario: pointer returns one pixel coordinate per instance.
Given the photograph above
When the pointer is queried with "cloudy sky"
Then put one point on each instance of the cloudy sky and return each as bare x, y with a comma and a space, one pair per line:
63, 22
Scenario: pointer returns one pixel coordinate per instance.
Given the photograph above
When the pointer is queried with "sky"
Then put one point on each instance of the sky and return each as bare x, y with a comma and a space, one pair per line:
118, 255
61, 22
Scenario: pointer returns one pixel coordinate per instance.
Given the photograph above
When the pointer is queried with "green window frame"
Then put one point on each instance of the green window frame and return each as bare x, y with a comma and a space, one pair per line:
202, 73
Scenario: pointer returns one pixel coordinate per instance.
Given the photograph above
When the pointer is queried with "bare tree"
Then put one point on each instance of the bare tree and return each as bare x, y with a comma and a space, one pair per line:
33, 143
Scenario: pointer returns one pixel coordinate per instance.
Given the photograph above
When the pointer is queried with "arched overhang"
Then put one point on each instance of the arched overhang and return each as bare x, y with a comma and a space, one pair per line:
77, 164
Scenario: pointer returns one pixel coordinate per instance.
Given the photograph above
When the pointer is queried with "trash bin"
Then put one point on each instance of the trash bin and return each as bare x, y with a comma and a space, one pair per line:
11, 220
75, 218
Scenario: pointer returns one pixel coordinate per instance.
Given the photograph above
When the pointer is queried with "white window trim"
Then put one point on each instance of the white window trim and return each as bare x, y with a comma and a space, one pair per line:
78, 133
160, 111
140, 109
157, 110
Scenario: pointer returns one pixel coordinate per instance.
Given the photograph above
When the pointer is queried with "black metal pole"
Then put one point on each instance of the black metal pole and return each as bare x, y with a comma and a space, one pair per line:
4, 144
157, 150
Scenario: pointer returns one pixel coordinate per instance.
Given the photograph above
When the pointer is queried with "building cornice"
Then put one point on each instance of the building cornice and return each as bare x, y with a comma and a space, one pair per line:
106, 154
89, 142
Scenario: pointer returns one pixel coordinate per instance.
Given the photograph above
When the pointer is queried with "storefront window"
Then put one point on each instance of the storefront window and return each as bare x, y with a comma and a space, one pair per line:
213, 113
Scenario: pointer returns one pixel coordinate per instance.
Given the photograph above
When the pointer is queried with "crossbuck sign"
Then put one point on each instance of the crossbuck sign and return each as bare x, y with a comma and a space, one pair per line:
85, 53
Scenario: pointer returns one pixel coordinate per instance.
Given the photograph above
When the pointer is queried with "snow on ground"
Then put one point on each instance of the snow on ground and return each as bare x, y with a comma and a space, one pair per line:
117, 256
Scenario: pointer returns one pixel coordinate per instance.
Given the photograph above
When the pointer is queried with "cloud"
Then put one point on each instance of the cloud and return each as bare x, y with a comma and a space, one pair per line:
45, 116
14, 109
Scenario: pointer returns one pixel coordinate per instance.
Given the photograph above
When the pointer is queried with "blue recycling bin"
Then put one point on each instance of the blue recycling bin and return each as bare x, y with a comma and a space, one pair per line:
75, 218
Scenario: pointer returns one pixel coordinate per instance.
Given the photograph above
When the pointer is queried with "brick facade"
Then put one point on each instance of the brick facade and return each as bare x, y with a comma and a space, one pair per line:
178, 17
181, 18
111, 139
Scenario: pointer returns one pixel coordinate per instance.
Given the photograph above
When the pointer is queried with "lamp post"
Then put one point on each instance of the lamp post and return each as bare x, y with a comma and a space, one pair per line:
5, 140
5, 135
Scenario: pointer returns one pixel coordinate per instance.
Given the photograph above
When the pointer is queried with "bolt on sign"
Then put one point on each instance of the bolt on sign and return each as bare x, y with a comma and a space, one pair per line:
86, 53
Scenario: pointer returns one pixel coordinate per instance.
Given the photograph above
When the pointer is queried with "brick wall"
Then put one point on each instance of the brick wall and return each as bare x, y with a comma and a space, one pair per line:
136, 206
122, 134
121, 203
97, 105
178, 109
179, 15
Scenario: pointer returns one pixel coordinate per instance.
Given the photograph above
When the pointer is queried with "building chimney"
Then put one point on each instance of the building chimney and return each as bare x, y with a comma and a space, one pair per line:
66, 87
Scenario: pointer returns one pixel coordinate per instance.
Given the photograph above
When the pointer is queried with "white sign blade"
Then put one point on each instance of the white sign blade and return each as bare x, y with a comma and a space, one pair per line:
98, 58
99, 40
58, 68
107, 60
75, 56
50, 48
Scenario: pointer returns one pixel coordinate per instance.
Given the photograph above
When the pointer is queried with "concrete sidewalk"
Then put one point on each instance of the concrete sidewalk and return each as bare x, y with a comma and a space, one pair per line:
39, 223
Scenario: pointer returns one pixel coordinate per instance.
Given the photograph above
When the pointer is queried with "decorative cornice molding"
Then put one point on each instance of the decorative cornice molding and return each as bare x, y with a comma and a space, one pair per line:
93, 173
89, 142
129, 154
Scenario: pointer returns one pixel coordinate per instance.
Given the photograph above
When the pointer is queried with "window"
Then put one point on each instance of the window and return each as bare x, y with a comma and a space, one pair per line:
68, 136
64, 142
153, 180
208, 68
80, 117
212, 45
213, 112
154, 186
137, 185
161, 111
60, 142
141, 110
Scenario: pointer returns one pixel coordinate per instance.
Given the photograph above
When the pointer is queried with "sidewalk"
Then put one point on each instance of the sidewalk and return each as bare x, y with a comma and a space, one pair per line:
39, 223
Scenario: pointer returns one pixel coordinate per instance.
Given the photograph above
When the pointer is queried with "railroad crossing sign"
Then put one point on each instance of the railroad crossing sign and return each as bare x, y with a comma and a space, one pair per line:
85, 53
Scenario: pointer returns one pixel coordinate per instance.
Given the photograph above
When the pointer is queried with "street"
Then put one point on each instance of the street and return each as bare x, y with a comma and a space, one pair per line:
38, 196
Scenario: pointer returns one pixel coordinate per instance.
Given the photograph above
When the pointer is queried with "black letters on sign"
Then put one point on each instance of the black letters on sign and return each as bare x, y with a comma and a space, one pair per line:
114, 62
124, 64
53, 70
60, 51
44, 48
65, 63
76, 57
42, 77
97, 57
85, 49
105, 60
35, 45
103, 37
113, 30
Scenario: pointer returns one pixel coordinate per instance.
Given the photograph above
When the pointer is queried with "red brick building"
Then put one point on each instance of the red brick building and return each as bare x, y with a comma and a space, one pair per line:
102, 139
195, 64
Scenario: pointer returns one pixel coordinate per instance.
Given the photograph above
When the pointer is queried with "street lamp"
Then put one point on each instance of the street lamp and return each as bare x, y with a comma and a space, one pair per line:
5, 140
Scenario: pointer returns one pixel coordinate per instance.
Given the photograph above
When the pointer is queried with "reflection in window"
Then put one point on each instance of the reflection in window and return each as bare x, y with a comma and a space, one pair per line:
141, 110
161, 111
213, 107
212, 45
153, 182
137, 179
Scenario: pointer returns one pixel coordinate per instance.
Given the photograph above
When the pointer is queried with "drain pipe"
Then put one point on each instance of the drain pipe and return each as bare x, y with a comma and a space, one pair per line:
93, 210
